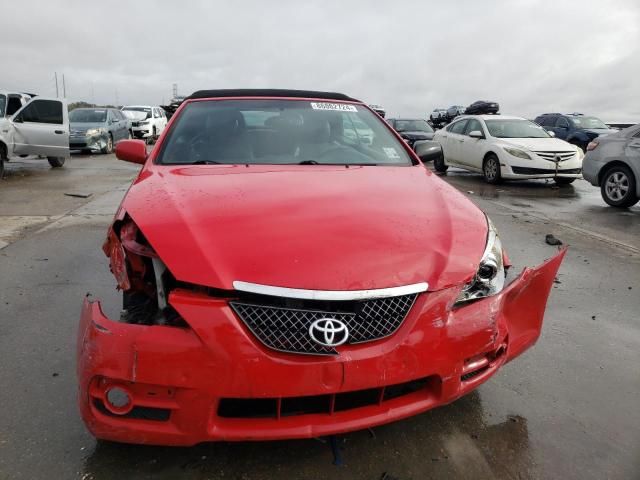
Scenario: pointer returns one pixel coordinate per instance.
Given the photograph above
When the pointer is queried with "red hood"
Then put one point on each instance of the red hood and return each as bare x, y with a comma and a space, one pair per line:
308, 226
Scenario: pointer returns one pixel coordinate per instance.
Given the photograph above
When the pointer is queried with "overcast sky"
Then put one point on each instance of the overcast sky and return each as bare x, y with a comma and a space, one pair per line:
410, 57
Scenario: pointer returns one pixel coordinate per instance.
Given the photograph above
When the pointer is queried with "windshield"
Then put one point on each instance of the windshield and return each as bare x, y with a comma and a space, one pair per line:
413, 126
147, 110
3, 105
89, 115
285, 132
588, 122
515, 129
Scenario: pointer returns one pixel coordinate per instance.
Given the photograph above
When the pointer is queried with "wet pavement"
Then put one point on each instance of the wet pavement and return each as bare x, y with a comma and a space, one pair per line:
568, 408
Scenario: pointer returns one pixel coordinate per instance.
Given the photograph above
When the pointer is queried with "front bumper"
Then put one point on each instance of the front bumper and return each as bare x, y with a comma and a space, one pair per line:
179, 378
85, 142
540, 168
142, 132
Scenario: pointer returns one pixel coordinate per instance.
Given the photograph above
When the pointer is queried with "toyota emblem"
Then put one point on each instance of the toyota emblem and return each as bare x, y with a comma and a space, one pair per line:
329, 332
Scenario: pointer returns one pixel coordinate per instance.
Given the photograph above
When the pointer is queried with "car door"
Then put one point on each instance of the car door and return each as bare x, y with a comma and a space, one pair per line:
123, 132
454, 139
561, 128
632, 150
471, 148
41, 127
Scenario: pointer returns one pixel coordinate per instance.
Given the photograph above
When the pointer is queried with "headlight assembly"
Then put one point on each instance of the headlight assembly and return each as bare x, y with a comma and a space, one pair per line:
490, 277
517, 153
94, 131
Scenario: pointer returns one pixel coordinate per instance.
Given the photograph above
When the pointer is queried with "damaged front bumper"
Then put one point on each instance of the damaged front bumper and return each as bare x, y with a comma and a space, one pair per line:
193, 384
88, 142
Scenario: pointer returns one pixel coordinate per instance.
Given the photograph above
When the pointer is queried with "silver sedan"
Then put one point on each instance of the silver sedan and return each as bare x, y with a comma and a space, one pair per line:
612, 163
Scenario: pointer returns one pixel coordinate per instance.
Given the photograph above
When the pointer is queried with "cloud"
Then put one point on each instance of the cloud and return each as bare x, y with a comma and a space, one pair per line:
411, 57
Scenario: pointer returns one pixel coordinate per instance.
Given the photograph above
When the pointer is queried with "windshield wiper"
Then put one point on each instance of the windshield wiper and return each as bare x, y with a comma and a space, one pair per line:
308, 162
205, 162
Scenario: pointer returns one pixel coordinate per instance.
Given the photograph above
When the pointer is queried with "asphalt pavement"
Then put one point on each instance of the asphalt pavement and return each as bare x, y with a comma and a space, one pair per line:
566, 409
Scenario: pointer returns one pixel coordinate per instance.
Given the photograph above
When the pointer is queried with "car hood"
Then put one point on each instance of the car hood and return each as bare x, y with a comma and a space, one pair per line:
539, 144
84, 126
310, 227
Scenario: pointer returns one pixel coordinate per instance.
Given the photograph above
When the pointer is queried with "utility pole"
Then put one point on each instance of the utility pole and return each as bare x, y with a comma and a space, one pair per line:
64, 88
175, 90
56, 75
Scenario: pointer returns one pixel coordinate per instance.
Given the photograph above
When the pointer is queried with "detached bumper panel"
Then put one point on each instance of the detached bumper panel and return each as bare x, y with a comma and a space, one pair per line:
216, 381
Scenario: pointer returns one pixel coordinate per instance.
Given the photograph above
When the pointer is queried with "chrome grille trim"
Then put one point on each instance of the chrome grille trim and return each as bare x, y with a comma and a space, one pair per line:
286, 329
551, 156
329, 295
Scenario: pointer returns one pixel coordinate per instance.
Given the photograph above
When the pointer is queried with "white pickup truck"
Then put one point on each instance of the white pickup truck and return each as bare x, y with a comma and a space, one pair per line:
31, 125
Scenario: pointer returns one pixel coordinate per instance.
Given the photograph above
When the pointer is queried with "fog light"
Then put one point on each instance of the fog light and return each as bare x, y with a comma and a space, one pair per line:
118, 400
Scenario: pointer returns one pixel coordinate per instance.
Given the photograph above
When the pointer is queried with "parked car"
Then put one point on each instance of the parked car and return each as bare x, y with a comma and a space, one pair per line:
412, 129
97, 129
148, 122
575, 128
612, 163
301, 295
482, 107
33, 126
454, 111
439, 115
378, 109
503, 147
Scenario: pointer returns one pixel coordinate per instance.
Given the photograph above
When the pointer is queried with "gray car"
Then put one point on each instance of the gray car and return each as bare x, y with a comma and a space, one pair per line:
96, 129
612, 163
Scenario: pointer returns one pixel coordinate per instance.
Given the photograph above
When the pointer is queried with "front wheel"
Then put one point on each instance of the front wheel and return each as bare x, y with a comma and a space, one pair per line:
56, 162
491, 169
563, 180
108, 148
618, 187
3, 158
439, 165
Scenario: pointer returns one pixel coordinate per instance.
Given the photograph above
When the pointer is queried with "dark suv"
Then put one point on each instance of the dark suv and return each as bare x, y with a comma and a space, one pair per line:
575, 128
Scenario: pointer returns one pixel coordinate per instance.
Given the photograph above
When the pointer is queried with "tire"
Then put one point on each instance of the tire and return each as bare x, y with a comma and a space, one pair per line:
108, 148
618, 187
563, 180
3, 158
439, 164
129, 135
491, 169
56, 162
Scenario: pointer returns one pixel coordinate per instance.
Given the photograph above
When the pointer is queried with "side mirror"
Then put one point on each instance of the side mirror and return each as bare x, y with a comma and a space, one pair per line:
551, 133
476, 134
134, 151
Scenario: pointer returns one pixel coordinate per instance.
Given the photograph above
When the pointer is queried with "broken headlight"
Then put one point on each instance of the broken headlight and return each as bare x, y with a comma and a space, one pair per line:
489, 279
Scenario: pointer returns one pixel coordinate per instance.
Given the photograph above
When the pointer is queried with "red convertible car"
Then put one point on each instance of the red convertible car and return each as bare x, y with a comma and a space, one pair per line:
290, 269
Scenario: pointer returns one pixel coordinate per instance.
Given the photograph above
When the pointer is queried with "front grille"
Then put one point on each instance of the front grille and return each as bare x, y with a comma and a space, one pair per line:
286, 329
556, 156
322, 404
538, 171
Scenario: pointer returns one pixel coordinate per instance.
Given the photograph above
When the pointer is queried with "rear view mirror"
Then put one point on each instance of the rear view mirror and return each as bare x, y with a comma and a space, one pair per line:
134, 151
551, 133
476, 134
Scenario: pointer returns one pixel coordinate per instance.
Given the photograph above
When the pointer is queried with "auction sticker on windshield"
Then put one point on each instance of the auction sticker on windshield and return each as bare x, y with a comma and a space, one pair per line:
341, 107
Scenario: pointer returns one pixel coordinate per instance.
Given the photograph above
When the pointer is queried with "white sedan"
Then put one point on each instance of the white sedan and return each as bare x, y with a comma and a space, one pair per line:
504, 147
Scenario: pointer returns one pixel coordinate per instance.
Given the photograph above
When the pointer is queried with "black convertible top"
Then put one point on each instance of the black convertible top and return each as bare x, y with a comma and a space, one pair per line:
269, 92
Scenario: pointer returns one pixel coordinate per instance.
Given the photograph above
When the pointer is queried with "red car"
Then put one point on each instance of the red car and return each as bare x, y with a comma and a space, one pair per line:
290, 269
